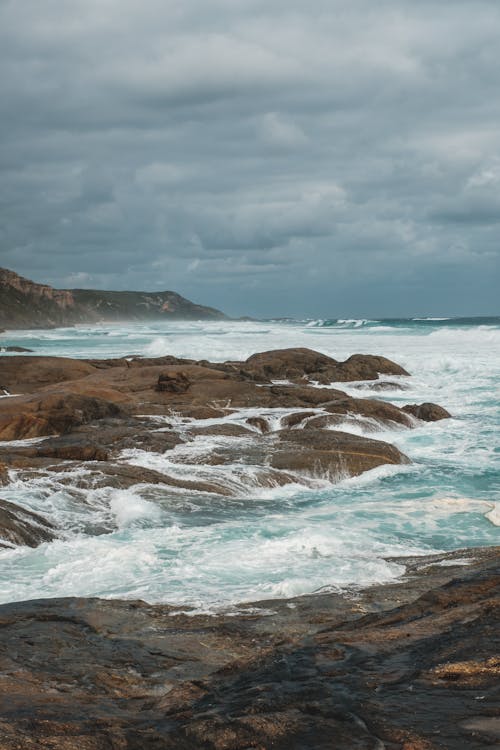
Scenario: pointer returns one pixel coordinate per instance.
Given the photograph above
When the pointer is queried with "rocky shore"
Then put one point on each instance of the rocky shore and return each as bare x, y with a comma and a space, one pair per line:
411, 665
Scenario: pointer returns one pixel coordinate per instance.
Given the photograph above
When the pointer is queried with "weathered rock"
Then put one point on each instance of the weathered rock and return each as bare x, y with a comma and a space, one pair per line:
292, 420
427, 412
336, 454
124, 476
297, 364
173, 383
28, 374
381, 411
19, 526
381, 385
260, 423
366, 367
71, 448
409, 666
24, 417
4, 474
286, 363
228, 429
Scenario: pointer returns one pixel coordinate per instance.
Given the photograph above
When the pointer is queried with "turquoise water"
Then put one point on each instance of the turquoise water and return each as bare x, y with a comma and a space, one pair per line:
207, 550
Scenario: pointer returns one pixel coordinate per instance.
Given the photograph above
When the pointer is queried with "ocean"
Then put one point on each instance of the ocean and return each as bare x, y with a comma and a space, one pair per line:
205, 551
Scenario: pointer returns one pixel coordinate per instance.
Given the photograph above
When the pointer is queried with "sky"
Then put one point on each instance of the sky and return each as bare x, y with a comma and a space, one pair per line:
323, 159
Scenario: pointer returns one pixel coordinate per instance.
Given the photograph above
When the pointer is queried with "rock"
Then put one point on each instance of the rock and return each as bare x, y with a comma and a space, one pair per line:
260, 423
173, 383
427, 412
59, 412
366, 367
28, 374
124, 476
70, 448
227, 429
4, 474
286, 363
19, 526
300, 364
411, 665
332, 453
381, 411
292, 420
381, 385
204, 412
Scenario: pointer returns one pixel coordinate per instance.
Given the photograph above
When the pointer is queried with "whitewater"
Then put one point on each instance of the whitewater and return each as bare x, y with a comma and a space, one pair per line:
207, 551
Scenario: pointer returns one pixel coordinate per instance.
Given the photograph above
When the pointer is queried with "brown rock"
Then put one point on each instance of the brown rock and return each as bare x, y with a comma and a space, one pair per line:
173, 382
286, 363
225, 429
299, 364
260, 423
28, 374
4, 474
19, 526
292, 420
50, 413
337, 454
366, 367
427, 412
71, 449
381, 411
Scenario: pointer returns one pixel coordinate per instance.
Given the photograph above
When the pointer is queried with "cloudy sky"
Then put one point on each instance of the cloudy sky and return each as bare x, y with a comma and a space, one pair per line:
334, 158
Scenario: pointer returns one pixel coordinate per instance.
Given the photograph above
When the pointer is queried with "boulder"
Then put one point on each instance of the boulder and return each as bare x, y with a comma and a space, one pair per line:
299, 364
366, 367
19, 526
286, 363
428, 412
332, 453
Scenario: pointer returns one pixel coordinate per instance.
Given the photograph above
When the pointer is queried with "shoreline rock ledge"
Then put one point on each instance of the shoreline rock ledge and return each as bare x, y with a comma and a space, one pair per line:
412, 665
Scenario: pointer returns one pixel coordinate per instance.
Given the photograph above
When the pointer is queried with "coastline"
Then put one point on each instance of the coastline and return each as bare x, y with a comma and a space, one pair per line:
373, 665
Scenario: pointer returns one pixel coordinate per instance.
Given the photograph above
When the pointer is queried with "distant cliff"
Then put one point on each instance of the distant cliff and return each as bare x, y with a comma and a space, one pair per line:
24, 304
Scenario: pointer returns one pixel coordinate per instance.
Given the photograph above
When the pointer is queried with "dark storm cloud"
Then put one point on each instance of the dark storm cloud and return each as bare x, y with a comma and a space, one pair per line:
268, 158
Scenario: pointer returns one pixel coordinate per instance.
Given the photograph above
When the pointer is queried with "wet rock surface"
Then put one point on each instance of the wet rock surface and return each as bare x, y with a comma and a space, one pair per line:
22, 527
408, 666
427, 412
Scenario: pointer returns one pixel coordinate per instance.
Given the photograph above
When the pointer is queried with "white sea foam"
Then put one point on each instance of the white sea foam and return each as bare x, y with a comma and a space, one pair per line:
493, 515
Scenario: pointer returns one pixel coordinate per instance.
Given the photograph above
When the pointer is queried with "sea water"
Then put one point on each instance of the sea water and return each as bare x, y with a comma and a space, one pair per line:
211, 550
